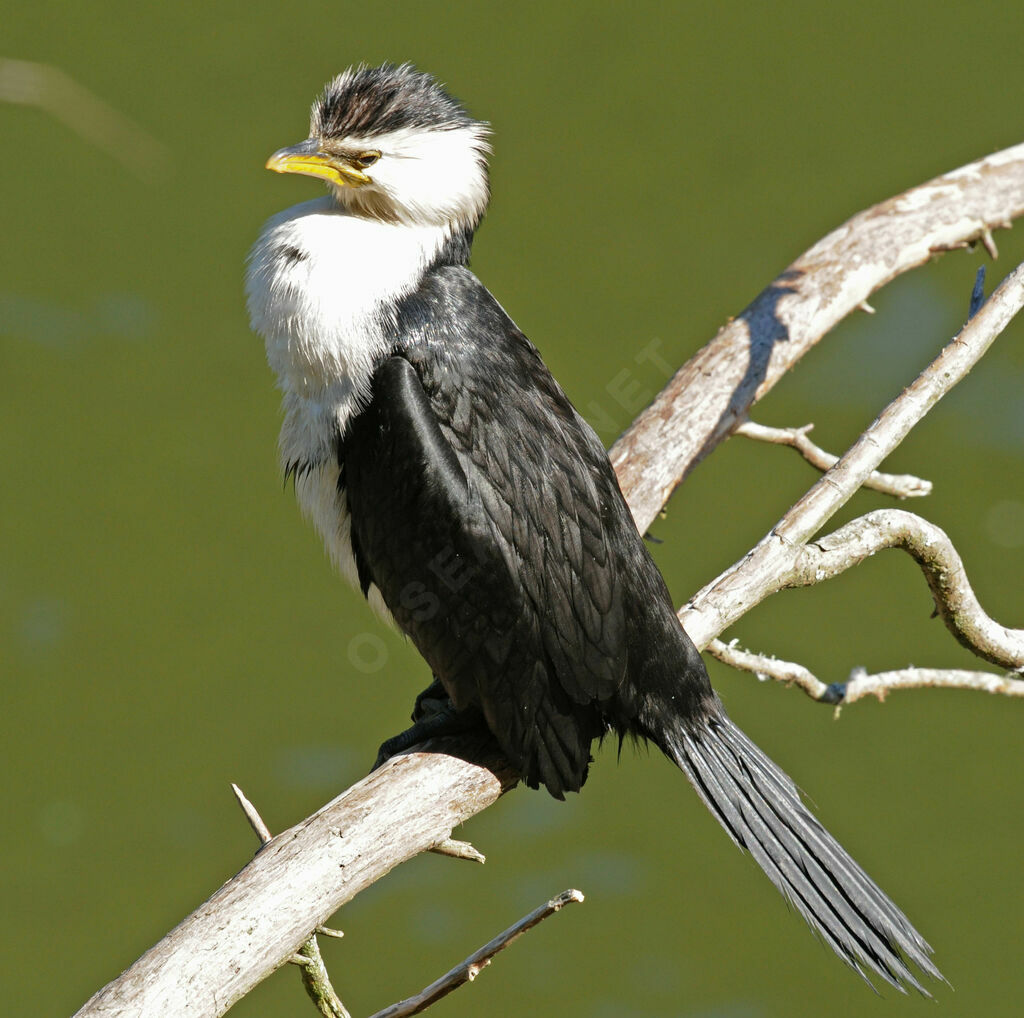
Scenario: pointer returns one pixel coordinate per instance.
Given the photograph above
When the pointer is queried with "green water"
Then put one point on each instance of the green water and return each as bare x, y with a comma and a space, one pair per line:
168, 625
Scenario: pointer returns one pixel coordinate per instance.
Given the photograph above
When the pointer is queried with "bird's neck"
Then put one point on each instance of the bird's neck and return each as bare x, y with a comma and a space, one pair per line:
323, 288
323, 285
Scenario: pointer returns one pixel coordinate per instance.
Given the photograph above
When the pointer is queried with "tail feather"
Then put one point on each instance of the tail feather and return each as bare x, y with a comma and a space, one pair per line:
760, 808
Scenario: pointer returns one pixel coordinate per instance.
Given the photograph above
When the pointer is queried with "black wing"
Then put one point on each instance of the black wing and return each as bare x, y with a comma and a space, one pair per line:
487, 514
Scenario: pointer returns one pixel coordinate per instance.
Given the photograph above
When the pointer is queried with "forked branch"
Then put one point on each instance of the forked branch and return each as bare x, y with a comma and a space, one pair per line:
773, 564
897, 485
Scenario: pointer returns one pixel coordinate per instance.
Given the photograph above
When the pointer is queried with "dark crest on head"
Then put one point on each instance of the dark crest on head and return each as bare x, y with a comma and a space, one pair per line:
365, 101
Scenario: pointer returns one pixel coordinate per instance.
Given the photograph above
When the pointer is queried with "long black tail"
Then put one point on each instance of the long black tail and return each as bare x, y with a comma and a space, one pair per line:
760, 808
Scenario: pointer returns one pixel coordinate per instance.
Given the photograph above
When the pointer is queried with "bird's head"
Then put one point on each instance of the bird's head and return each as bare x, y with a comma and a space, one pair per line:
394, 145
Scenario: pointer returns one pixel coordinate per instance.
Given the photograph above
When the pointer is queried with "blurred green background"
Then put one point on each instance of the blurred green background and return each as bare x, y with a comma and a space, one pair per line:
168, 625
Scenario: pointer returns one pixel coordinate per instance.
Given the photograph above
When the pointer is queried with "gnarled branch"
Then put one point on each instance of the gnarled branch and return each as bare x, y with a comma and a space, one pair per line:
772, 564
931, 548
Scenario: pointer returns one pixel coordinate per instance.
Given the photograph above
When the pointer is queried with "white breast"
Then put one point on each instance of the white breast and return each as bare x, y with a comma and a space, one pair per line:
322, 286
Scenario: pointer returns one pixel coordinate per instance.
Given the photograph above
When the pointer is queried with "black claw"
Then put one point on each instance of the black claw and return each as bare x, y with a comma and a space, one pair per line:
432, 700
439, 719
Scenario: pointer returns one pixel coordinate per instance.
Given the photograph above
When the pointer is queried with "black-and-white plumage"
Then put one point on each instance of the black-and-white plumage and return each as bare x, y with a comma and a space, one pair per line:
453, 481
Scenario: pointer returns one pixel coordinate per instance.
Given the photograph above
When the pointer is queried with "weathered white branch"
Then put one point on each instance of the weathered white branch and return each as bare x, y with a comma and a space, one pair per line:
315, 978
955, 600
765, 667
899, 485
771, 565
262, 916
712, 392
860, 683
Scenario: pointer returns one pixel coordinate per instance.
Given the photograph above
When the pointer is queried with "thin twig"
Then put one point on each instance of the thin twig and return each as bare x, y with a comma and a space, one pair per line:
317, 982
469, 969
899, 485
459, 850
860, 683
766, 667
252, 815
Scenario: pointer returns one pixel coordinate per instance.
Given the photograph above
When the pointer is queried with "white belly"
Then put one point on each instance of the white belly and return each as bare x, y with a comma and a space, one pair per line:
327, 509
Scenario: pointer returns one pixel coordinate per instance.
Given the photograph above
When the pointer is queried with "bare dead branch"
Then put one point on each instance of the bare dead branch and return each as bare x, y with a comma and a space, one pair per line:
955, 600
713, 391
899, 485
770, 566
263, 915
469, 969
261, 830
766, 667
860, 683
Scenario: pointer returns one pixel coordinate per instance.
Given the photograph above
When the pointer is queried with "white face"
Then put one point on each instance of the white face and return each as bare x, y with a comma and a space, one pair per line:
424, 176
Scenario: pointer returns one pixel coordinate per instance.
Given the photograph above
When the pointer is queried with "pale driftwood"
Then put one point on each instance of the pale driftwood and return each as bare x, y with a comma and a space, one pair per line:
259, 919
860, 683
315, 978
898, 485
774, 563
712, 392
317, 981
955, 600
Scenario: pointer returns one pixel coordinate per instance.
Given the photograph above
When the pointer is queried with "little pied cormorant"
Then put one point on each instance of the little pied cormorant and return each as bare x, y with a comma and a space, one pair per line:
454, 482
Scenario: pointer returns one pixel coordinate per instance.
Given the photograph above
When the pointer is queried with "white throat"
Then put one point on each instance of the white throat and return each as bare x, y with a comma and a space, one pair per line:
322, 287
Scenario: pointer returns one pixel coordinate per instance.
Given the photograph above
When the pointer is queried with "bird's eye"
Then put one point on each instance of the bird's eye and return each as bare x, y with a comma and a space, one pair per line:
367, 159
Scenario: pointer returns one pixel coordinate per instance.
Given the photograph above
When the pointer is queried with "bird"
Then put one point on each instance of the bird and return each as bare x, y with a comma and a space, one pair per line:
454, 483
